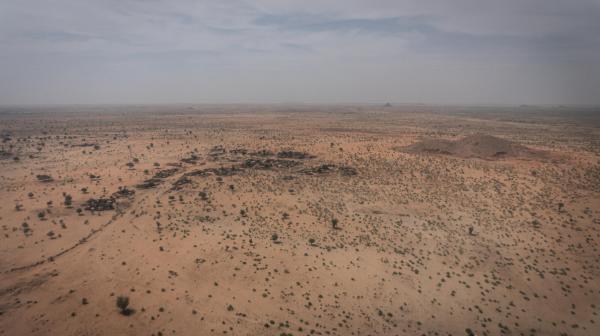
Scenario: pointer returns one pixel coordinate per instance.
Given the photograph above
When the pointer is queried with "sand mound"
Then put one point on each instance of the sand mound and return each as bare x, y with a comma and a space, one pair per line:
477, 145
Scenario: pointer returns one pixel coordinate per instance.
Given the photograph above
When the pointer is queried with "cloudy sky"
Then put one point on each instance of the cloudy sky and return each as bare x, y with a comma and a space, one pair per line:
325, 51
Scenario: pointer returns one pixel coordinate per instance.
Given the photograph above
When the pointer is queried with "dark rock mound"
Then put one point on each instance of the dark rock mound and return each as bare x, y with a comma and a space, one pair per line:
94, 177
322, 169
157, 178
329, 168
150, 183
269, 163
87, 144
165, 173
217, 151
239, 151
180, 182
475, 146
192, 159
123, 192
348, 171
262, 152
221, 171
4, 154
294, 155
100, 204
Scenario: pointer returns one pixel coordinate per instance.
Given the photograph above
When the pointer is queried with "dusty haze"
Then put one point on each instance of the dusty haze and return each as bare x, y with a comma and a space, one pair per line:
461, 51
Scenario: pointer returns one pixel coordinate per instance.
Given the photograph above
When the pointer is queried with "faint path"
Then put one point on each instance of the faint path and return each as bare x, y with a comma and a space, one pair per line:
63, 252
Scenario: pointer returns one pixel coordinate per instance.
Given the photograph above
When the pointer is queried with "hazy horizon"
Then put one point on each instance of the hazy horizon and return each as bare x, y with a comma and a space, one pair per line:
461, 52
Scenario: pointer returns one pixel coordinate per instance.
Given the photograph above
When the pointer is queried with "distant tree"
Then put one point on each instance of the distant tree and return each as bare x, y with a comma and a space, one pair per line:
68, 200
123, 305
334, 223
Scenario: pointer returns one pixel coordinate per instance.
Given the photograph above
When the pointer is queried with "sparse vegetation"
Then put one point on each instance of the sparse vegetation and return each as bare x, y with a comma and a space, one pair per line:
333, 224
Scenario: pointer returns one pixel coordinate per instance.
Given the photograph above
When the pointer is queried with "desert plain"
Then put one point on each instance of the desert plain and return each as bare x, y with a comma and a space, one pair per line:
299, 220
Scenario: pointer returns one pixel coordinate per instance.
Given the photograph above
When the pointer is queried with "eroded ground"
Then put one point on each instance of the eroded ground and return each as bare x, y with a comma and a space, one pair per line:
277, 220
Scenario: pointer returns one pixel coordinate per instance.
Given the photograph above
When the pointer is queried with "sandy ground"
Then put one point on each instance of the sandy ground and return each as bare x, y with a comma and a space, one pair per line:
296, 220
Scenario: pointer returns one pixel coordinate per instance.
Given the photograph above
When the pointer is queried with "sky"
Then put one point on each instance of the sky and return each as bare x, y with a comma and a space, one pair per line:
277, 51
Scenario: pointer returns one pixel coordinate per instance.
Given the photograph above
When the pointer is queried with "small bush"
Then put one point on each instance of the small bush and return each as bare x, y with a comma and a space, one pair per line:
68, 200
123, 305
